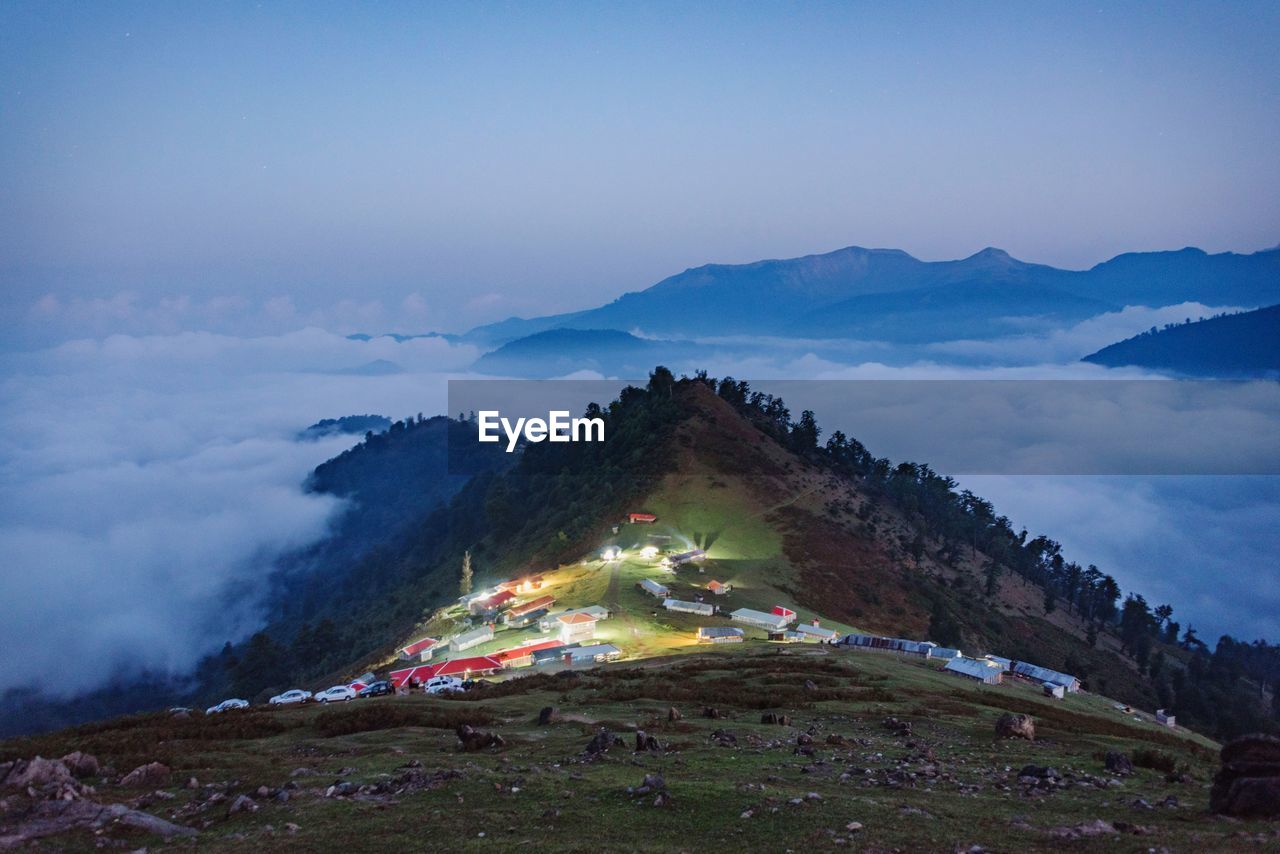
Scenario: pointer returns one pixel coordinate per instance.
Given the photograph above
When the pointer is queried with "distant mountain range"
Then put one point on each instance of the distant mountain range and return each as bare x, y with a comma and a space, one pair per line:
1234, 345
886, 294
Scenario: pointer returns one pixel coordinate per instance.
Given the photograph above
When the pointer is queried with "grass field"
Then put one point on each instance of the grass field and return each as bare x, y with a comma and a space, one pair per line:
947, 785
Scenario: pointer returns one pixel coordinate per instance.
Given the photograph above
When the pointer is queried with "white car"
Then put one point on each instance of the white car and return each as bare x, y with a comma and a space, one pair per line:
338, 693
297, 695
227, 705
443, 685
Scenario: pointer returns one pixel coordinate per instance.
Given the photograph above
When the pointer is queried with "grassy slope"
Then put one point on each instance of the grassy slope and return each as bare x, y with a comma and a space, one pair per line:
566, 803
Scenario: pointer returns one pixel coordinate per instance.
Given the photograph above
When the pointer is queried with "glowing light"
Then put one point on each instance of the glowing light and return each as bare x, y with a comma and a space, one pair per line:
611, 553
649, 552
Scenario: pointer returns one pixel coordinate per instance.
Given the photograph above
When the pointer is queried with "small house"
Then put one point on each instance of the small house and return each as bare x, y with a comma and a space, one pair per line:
527, 584
552, 620
720, 634
641, 518
1044, 674
493, 603
542, 602
475, 637
786, 613
687, 557
1057, 692
945, 653
578, 627
703, 608
897, 646
599, 652
653, 588
1006, 664
1163, 716
420, 649
552, 654
528, 619
978, 669
786, 636
717, 588
522, 656
817, 634
759, 619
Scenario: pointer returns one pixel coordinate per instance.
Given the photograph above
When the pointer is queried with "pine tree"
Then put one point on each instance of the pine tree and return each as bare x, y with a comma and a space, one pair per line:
465, 584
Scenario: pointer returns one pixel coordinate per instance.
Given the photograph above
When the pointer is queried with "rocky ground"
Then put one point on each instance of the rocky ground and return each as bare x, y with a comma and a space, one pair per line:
750, 750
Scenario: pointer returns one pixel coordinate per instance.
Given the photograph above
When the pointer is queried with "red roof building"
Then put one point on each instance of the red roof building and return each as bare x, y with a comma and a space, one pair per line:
642, 518
531, 606
480, 665
521, 585
521, 656
420, 649
493, 603
784, 612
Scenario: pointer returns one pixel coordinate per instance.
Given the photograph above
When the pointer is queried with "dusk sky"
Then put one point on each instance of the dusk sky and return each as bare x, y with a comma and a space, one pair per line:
260, 167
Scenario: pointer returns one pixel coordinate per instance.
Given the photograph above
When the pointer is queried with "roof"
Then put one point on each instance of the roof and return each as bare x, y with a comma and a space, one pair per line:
720, 632
533, 605
577, 619
976, 667
758, 617
520, 582
598, 611
696, 553
650, 584
499, 598
595, 650
647, 517
816, 630
1042, 674
465, 665
782, 611
714, 585
419, 645
522, 651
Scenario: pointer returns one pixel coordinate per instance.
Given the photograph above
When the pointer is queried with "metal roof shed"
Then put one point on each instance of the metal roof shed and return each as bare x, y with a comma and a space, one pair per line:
975, 668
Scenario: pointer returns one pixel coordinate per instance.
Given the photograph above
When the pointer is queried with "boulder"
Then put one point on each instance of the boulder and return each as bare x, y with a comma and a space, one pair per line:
473, 739
713, 713
151, 775
547, 715
242, 803
775, 718
82, 764
1016, 726
601, 742
1118, 763
37, 773
673, 714
897, 727
1248, 783
646, 742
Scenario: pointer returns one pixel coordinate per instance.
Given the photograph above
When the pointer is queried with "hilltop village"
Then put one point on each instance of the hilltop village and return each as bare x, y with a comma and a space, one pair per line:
650, 591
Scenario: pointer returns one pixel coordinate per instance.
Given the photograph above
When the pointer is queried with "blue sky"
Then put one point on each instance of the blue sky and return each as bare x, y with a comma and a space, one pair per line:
457, 163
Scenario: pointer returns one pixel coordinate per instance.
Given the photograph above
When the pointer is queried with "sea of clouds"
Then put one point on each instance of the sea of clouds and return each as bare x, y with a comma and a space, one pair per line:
148, 482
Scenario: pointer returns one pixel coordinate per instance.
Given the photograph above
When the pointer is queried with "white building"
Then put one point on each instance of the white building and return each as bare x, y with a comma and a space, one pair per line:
817, 634
653, 588
475, 637
575, 628
976, 668
760, 619
720, 634
703, 608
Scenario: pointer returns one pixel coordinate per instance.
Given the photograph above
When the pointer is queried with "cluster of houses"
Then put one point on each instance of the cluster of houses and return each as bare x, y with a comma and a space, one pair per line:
988, 669
573, 632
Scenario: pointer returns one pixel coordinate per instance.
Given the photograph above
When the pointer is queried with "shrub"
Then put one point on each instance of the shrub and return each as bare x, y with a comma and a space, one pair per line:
376, 716
1145, 757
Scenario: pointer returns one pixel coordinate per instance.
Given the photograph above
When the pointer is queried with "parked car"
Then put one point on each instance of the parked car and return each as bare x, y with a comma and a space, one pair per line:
336, 694
297, 695
443, 685
377, 689
227, 705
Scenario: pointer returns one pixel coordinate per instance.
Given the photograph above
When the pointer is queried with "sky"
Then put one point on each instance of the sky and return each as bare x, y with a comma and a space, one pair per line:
197, 204
259, 168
